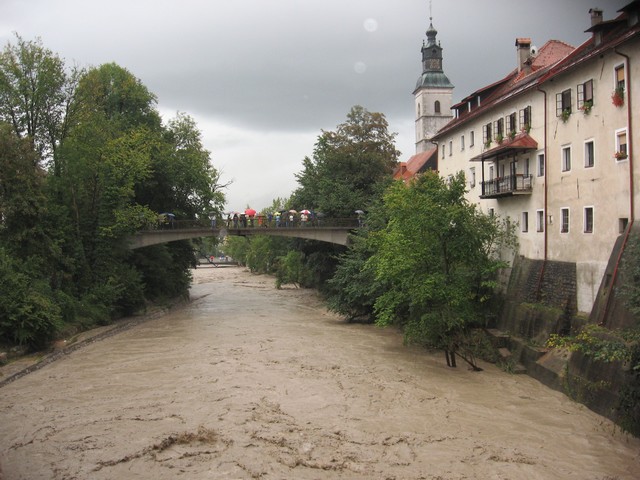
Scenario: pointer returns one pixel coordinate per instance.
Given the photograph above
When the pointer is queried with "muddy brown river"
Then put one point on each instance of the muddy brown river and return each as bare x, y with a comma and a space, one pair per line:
247, 382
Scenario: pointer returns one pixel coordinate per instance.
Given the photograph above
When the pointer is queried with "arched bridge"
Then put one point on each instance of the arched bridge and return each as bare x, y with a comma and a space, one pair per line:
328, 230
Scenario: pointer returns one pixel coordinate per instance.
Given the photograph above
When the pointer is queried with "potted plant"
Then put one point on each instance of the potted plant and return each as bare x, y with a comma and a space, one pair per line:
617, 97
487, 144
620, 155
499, 139
586, 107
512, 134
566, 113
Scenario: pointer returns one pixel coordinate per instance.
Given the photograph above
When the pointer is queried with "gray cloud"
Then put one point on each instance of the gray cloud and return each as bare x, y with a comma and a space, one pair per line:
275, 68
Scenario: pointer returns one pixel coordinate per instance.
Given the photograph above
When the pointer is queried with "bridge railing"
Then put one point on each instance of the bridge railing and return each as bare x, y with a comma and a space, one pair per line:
257, 222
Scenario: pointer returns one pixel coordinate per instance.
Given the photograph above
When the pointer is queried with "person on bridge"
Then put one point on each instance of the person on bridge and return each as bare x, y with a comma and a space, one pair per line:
235, 220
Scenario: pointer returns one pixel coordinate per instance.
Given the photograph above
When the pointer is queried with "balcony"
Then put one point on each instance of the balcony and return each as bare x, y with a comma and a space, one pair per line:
518, 184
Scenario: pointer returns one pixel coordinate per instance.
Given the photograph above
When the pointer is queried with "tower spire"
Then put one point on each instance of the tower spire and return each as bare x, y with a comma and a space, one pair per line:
433, 92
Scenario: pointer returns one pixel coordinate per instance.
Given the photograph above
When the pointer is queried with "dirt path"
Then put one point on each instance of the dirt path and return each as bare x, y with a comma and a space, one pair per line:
251, 382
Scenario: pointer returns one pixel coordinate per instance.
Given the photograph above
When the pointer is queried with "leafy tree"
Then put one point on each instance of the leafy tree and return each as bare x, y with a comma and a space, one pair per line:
36, 94
291, 270
22, 197
438, 257
182, 179
347, 164
354, 287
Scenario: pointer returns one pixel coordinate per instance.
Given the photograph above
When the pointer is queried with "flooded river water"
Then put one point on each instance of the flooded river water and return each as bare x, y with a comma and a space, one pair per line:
247, 381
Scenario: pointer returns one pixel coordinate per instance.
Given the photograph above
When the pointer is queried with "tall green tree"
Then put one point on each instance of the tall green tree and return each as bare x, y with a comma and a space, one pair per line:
347, 165
438, 257
36, 94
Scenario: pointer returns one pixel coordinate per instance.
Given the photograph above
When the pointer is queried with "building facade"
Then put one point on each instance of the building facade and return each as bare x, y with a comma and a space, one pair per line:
549, 146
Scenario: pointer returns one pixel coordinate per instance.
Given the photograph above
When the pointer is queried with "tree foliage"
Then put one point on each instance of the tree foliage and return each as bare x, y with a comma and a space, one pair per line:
347, 165
115, 167
427, 263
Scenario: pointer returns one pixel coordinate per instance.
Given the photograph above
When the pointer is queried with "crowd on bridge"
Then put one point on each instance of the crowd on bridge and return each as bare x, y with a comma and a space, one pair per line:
283, 218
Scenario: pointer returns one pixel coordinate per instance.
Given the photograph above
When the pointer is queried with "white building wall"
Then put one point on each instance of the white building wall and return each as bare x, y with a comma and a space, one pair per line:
603, 187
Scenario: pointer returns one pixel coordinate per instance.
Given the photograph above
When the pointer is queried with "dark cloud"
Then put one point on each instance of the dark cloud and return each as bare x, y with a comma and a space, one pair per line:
264, 68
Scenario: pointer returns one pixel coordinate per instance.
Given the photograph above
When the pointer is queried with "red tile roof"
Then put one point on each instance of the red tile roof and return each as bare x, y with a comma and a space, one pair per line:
418, 163
522, 141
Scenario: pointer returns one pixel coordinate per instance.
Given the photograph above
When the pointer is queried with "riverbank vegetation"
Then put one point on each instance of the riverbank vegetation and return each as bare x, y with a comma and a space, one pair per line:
86, 161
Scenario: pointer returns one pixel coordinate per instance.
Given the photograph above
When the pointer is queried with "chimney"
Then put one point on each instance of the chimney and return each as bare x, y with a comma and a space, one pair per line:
596, 16
523, 51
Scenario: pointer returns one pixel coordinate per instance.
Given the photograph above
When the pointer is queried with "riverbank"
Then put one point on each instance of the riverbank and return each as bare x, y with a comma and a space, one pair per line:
247, 381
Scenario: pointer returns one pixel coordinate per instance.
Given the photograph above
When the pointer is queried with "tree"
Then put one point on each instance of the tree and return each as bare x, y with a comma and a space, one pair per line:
347, 165
183, 180
36, 94
438, 257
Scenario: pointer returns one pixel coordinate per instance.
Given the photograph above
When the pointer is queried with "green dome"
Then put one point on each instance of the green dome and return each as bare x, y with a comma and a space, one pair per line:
433, 79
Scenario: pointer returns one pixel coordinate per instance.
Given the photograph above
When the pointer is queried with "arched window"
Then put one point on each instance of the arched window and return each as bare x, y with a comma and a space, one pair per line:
418, 109
436, 106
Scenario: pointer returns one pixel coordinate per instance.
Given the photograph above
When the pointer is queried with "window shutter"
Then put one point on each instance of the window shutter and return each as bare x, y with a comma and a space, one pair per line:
558, 104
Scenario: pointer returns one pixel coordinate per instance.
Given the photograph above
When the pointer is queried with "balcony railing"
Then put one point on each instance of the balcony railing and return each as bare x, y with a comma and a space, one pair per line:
506, 186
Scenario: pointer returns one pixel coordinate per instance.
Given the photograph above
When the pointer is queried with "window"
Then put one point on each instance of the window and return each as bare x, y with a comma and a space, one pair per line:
563, 103
486, 134
461, 142
511, 124
436, 106
526, 167
585, 95
525, 222
589, 158
566, 159
450, 147
418, 109
623, 223
472, 138
621, 145
491, 212
564, 222
539, 220
588, 219
498, 129
491, 173
472, 177
541, 164
443, 147
525, 119
620, 83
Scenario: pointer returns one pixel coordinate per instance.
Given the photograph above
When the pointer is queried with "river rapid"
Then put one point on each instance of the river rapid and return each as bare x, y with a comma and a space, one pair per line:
248, 382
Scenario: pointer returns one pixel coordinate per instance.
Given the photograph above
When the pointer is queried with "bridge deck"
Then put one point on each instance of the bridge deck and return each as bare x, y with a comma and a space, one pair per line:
332, 234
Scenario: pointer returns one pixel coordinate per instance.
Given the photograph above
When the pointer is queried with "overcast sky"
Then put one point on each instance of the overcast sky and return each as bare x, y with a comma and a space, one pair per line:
262, 78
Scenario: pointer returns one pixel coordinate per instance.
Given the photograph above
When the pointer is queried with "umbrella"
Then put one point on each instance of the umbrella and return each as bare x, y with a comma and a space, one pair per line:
359, 212
250, 211
292, 211
306, 212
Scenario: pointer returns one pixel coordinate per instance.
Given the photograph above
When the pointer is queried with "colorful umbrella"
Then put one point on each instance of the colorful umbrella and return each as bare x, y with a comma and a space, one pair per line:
250, 211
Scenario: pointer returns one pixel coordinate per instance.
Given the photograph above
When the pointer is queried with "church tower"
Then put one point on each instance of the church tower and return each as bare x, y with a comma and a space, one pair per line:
433, 93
